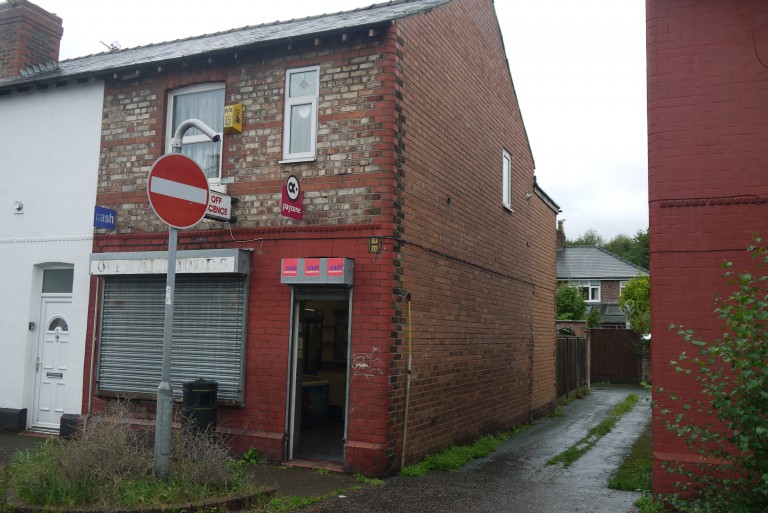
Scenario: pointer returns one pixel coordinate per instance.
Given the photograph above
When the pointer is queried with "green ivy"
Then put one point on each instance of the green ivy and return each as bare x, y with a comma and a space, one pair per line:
727, 423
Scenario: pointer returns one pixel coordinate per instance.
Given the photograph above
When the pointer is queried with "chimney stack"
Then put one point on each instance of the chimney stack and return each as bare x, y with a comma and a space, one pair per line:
560, 235
29, 35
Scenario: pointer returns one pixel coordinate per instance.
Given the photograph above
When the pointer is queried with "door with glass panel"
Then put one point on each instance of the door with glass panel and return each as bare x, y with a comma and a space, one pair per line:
51, 359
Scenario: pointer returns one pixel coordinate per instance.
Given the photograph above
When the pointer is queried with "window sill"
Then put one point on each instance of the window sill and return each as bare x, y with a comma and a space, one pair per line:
297, 160
508, 208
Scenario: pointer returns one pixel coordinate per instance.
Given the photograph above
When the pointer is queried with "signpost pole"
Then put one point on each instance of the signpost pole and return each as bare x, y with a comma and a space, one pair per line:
164, 414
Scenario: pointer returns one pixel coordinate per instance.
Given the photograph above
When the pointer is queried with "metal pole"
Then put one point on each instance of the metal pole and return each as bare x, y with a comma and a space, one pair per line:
164, 414
164, 417
407, 385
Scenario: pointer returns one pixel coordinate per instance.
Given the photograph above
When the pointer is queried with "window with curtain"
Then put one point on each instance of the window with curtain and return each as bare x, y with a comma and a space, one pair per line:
206, 103
300, 128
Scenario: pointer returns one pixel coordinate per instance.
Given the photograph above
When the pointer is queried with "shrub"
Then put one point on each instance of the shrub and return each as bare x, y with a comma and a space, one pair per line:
110, 463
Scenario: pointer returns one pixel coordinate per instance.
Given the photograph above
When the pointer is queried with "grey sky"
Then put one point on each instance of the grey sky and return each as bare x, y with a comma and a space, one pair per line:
578, 68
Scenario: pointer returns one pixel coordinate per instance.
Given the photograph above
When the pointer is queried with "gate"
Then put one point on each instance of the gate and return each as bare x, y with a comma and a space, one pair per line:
572, 365
614, 356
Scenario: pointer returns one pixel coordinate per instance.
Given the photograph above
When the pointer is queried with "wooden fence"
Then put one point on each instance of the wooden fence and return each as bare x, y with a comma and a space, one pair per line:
572, 365
613, 356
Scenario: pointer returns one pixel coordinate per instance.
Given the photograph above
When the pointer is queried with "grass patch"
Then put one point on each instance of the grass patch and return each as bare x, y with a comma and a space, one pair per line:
580, 448
456, 456
646, 504
635, 472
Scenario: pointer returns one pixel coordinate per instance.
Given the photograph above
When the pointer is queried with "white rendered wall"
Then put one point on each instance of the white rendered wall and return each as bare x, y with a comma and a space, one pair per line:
49, 158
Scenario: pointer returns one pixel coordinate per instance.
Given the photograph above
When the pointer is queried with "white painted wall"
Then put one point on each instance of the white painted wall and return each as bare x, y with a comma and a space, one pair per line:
49, 158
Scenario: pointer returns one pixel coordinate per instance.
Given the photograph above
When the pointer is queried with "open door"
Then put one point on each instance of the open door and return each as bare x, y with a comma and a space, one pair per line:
319, 374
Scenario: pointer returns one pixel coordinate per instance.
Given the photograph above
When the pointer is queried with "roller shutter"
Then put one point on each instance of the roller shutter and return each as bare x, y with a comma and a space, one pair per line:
208, 333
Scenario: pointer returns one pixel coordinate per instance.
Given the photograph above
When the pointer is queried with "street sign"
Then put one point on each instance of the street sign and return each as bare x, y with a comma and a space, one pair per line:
178, 190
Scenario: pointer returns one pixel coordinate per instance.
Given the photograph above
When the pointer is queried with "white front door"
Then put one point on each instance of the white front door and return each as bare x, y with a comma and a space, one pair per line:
51, 362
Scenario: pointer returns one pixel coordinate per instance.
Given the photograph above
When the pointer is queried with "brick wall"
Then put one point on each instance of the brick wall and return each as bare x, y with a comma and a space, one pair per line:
261, 422
29, 36
481, 277
343, 186
708, 192
410, 145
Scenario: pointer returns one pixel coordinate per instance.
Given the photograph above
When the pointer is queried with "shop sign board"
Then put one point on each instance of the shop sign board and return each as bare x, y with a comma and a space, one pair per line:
219, 206
292, 204
104, 218
317, 271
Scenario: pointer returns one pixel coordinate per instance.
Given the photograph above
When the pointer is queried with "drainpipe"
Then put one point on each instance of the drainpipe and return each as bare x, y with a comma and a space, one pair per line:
407, 383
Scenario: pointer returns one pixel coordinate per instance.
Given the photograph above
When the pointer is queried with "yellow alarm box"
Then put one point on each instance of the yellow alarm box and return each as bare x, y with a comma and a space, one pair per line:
233, 119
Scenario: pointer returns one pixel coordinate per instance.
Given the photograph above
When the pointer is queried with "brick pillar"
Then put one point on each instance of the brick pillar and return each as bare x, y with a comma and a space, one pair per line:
29, 36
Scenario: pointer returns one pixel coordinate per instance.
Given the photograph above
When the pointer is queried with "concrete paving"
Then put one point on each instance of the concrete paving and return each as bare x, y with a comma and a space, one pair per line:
514, 479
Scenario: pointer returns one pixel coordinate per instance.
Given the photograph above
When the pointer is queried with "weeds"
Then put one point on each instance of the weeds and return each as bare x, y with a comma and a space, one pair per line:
580, 448
360, 478
110, 464
455, 457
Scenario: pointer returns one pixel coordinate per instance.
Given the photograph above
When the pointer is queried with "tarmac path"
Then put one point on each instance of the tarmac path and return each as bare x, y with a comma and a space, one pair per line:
515, 478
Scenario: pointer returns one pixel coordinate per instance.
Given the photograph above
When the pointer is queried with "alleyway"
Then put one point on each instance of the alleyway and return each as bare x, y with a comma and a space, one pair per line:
515, 479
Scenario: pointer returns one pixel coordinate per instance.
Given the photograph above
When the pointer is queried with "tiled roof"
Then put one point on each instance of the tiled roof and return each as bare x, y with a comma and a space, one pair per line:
591, 262
211, 44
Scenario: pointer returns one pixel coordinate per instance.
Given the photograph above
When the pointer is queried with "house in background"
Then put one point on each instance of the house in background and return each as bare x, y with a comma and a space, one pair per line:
708, 187
600, 275
49, 147
387, 212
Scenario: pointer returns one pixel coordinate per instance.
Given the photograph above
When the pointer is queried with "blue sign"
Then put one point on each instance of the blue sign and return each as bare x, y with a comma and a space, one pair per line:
104, 218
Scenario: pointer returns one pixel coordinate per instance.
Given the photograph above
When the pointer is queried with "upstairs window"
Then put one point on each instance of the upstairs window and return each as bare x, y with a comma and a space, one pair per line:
206, 103
300, 117
589, 289
506, 180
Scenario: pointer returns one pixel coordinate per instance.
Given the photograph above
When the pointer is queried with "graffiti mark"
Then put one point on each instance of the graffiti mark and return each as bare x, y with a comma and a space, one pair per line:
367, 364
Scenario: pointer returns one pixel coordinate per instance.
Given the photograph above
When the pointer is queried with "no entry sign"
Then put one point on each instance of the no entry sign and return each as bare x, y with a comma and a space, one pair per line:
178, 190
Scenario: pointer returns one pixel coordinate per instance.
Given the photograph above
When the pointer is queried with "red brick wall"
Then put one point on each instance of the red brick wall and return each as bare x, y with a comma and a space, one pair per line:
708, 191
29, 35
481, 278
261, 422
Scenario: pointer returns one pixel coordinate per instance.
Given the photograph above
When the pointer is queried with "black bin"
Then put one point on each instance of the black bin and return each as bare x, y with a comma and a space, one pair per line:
199, 403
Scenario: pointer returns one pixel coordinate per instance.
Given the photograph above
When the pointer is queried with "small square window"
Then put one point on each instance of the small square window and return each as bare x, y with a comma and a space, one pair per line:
58, 281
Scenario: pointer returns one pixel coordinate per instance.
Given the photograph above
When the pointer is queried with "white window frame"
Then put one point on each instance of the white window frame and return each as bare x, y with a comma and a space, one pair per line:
506, 180
311, 100
196, 138
590, 286
622, 284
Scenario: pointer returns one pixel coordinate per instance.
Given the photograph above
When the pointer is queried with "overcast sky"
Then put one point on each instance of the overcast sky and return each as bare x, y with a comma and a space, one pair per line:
578, 68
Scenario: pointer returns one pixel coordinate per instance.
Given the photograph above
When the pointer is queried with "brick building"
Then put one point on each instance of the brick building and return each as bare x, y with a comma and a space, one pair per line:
708, 189
422, 231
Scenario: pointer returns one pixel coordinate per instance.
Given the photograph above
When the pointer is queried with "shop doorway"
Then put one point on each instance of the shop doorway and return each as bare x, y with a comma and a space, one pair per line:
319, 375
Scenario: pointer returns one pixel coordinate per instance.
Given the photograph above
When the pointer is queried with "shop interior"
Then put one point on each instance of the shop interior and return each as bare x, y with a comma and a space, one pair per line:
323, 341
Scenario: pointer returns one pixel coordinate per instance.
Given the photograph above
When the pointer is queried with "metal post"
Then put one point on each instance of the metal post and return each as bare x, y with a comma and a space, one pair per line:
164, 416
